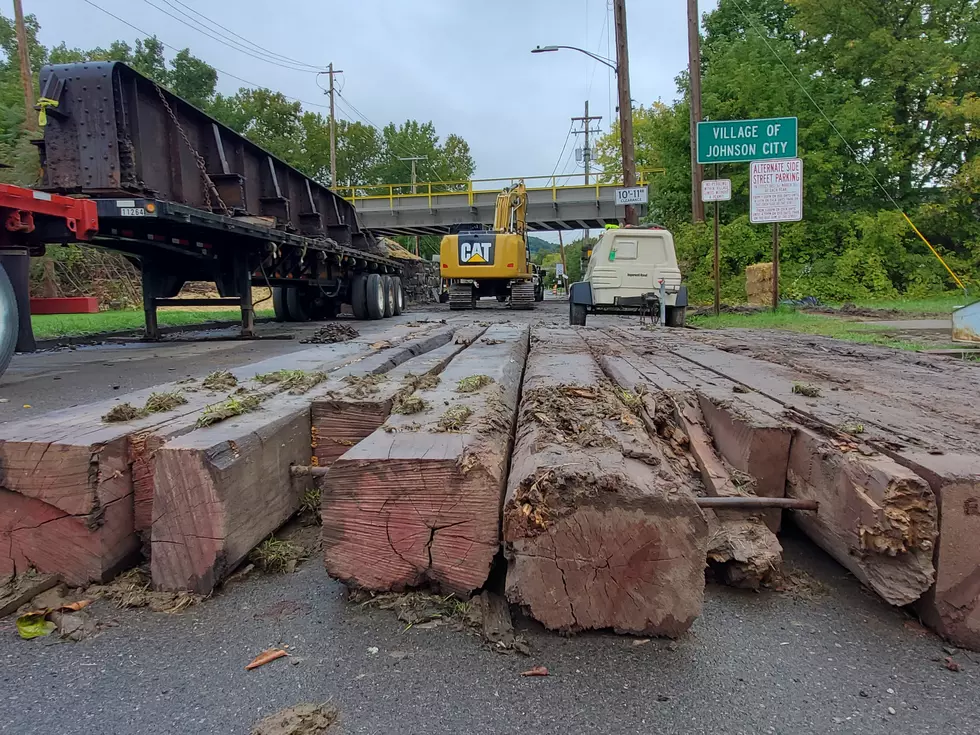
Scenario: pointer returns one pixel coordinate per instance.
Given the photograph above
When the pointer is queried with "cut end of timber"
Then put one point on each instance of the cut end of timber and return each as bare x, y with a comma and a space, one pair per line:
634, 567
402, 523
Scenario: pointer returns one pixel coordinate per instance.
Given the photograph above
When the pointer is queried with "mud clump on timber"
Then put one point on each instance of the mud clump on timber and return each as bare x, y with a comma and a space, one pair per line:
220, 380
331, 334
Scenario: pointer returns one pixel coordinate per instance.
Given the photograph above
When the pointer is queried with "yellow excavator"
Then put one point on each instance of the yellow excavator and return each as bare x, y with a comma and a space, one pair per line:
478, 262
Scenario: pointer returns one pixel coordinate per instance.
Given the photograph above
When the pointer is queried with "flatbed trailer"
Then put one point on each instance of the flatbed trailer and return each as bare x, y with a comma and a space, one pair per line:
186, 198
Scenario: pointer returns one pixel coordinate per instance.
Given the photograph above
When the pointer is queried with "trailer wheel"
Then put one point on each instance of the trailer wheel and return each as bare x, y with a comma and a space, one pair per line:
9, 322
388, 284
399, 296
358, 296
296, 305
279, 304
375, 293
674, 315
576, 315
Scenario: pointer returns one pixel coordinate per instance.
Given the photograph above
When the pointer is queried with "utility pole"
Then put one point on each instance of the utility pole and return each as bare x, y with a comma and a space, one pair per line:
331, 72
413, 159
625, 105
694, 71
30, 116
586, 151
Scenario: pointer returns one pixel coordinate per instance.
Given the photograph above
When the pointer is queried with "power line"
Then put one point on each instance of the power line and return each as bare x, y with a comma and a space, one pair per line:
254, 45
564, 145
220, 71
234, 45
857, 158
398, 149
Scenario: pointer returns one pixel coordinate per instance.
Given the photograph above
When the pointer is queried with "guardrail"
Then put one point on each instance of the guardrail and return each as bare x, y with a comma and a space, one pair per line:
433, 190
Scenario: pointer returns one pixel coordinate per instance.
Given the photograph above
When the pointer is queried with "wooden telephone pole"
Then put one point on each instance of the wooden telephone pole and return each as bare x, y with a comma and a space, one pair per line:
694, 71
625, 105
331, 72
30, 116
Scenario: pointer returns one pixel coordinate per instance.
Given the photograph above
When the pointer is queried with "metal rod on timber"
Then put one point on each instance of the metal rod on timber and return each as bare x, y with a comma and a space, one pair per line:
300, 470
755, 503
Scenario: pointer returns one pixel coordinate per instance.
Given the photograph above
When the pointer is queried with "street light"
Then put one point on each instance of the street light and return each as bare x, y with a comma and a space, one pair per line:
622, 68
601, 59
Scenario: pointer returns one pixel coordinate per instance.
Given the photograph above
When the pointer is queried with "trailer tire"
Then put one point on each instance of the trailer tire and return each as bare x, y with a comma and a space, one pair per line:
296, 305
576, 315
279, 304
675, 315
9, 320
375, 296
358, 296
388, 284
399, 296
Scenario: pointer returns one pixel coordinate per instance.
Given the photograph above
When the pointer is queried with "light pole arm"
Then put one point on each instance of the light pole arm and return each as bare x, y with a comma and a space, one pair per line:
602, 60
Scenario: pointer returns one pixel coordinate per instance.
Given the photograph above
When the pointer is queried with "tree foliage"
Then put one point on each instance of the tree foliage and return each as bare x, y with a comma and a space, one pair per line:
897, 79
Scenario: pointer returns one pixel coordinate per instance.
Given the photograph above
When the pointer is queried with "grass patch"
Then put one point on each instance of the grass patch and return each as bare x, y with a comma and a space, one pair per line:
422, 382
632, 401
362, 386
158, 402
454, 419
220, 380
810, 391
226, 409
796, 321
50, 326
275, 556
298, 381
408, 405
310, 503
473, 383
123, 412
942, 304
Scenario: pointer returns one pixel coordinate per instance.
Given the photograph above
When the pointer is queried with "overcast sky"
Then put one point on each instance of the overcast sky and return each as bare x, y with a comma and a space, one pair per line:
464, 64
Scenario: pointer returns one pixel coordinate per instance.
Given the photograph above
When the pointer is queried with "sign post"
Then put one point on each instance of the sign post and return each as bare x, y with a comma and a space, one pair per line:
775, 195
716, 190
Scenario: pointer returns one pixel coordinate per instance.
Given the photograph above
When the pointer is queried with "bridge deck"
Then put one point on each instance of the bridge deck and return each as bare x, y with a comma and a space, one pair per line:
393, 209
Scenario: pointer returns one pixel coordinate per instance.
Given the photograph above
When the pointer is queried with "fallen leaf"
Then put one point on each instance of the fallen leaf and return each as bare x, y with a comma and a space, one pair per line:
74, 606
641, 641
952, 665
536, 671
580, 392
265, 657
28, 405
34, 625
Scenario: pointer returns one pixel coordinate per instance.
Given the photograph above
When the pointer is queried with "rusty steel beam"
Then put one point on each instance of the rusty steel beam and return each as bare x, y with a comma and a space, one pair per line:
114, 132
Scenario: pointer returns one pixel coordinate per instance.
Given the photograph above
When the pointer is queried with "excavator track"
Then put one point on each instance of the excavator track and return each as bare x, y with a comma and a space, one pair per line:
522, 295
461, 296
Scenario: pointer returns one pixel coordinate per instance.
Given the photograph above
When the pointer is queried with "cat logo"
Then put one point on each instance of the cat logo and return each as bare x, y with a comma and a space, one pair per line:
476, 252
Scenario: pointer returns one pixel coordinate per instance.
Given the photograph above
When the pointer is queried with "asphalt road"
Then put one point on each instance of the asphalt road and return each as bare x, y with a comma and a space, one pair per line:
753, 663
770, 662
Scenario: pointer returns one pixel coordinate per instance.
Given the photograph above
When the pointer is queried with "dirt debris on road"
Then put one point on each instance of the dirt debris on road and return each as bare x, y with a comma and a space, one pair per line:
331, 334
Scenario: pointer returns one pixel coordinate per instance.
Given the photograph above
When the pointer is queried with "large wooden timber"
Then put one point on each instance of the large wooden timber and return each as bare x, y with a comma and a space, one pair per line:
220, 490
742, 550
77, 490
601, 527
418, 501
862, 458
348, 411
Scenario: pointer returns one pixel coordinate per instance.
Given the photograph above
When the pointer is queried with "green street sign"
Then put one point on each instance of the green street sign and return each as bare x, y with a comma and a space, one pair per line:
735, 141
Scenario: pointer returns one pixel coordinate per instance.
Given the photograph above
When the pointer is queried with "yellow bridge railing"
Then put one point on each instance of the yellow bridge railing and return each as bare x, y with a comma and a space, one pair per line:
434, 190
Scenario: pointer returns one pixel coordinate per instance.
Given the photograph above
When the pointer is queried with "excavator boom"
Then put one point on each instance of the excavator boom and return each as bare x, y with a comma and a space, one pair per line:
511, 211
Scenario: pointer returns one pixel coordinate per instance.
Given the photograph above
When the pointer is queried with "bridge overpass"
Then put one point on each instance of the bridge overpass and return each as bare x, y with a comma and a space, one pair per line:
432, 208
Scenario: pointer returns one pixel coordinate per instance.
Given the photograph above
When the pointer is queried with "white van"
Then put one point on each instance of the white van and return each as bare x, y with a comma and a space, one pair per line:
632, 270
